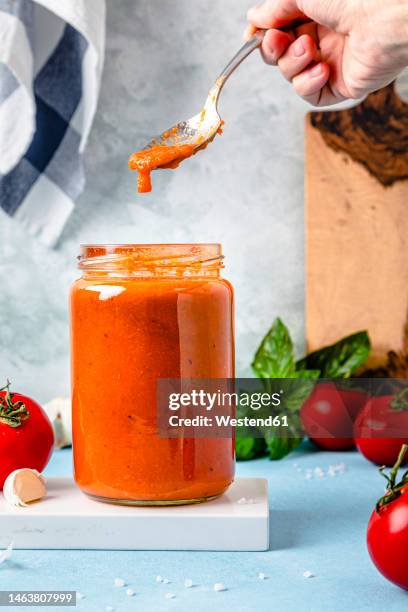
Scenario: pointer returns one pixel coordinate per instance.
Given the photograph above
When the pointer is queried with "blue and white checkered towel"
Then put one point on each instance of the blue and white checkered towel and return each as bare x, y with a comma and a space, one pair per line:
51, 58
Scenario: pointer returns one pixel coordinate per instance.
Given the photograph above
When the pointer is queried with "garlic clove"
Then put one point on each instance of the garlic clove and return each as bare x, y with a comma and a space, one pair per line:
59, 412
24, 486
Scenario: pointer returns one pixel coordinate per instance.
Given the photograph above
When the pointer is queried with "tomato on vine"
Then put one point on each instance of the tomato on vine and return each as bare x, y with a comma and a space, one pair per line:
381, 428
329, 413
26, 434
387, 532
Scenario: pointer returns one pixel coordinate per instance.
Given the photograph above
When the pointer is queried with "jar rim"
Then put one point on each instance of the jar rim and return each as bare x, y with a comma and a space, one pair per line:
137, 258
86, 245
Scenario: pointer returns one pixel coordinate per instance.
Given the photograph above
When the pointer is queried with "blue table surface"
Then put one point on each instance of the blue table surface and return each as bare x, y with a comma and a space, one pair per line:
317, 525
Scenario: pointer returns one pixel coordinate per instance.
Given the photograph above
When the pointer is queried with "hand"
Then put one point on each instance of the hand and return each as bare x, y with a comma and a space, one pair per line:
347, 48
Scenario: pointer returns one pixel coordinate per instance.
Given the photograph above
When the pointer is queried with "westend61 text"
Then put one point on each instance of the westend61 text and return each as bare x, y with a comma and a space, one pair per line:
227, 421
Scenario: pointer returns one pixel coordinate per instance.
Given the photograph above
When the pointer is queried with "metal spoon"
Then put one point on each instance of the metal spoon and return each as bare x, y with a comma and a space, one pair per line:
202, 128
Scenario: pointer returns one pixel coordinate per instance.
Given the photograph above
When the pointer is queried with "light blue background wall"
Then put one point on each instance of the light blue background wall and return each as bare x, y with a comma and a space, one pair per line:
246, 191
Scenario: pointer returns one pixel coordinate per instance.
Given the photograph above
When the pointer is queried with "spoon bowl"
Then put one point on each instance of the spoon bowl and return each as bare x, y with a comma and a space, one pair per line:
202, 128
185, 138
196, 131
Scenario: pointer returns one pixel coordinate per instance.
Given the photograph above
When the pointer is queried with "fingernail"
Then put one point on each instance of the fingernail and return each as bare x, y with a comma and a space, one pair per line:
315, 71
298, 48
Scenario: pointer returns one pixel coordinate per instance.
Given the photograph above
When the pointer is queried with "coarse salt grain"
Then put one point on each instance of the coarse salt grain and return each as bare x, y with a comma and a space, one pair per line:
219, 586
244, 500
130, 592
169, 596
261, 576
318, 472
6, 554
166, 581
308, 574
188, 583
80, 595
159, 579
109, 609
118, 582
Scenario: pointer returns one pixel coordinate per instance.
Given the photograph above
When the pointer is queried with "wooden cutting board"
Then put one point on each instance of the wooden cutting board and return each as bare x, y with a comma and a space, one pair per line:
356, 190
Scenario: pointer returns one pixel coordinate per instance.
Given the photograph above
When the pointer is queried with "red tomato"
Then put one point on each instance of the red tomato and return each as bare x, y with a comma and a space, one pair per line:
26, 438
328, 415
387, 536
376, 430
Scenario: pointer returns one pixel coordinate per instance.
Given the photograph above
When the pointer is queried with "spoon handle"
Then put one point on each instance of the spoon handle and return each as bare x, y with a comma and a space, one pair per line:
243, 53
250, 46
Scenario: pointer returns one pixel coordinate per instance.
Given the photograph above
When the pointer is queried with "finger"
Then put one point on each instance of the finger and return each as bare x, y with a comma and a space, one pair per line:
309, 28
309, 83
274, 13
329, 97
297, 57
274, 46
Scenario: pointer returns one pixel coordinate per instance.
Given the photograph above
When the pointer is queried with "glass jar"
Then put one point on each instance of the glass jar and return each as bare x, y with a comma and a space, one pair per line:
141, 313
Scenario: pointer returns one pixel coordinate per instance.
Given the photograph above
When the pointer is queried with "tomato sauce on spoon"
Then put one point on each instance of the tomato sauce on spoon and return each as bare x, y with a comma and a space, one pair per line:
159, 156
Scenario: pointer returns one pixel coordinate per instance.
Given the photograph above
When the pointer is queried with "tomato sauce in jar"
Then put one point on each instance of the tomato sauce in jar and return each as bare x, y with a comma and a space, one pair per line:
141, 313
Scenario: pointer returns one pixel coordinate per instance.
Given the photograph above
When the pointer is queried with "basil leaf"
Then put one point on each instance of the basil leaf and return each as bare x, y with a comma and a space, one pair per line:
341, 359
249, 448
274, 357
308, 374
279, 447
296, 391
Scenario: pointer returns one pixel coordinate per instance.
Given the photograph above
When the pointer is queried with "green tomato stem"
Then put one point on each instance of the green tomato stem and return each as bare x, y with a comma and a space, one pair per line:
394, 490
11, 413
